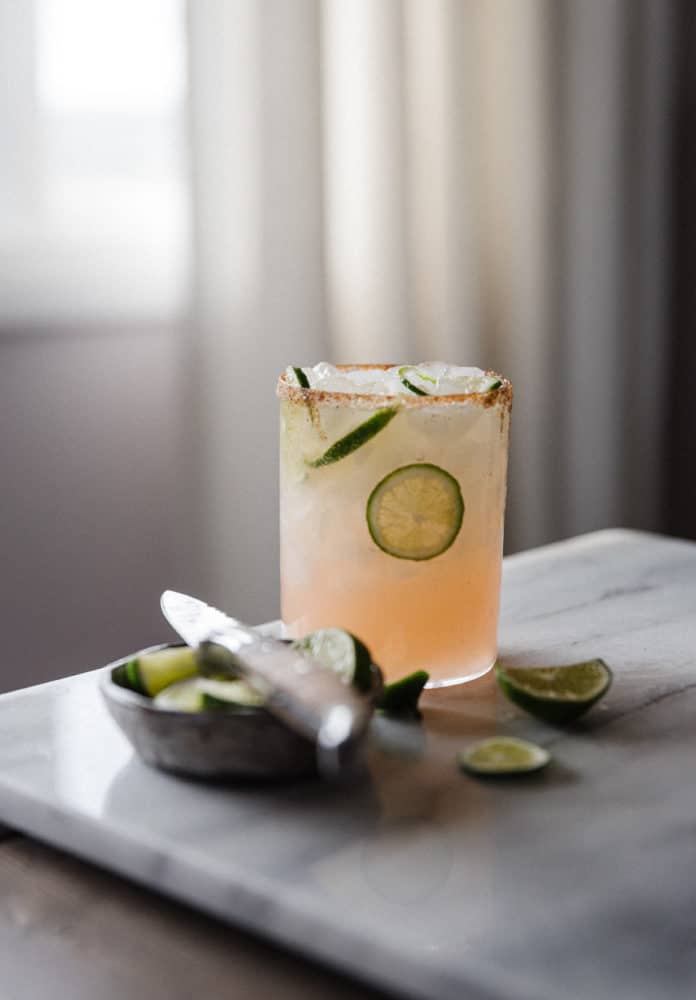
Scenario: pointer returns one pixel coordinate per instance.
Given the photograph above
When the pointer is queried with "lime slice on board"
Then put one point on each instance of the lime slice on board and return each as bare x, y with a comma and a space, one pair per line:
149, 673
503, 756
341, 652
555, 694
415, 512
356, 438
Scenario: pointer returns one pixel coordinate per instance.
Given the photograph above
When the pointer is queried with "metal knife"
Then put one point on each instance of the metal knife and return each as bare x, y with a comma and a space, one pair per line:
297, 689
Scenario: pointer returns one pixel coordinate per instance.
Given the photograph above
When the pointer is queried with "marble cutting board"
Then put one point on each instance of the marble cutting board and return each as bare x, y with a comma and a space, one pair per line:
580, 882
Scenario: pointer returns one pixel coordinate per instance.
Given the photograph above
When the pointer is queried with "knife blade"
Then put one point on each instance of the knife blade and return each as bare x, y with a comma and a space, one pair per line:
297, 688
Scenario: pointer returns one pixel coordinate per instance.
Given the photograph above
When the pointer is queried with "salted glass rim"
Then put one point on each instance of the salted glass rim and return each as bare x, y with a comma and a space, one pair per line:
492, 397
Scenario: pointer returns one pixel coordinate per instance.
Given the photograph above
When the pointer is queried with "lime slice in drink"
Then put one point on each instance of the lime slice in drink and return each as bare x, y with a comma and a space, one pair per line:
408, 375
401, 697
415, 512
555, 694
151, 672
356, 438
302, 379
341, 652
503, 756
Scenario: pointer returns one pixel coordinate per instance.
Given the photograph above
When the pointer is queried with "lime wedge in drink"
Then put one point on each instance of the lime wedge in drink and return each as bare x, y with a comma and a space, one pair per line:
408, 374
151, 672
503, 756
400, 698
302, 379
341, 652
555, 694
356, 438
415, 512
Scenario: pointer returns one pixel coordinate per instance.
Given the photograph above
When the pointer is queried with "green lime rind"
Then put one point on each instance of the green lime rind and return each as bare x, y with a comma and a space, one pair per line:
413, 388
556, 694
495, 385
410, 385
356, 438
302, 379
400, 698
420, 374
126, 676
383, 535
502, 757
150, 673
341, 652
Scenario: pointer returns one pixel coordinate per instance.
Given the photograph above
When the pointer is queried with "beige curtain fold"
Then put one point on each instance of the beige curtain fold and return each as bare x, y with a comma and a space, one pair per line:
475, 180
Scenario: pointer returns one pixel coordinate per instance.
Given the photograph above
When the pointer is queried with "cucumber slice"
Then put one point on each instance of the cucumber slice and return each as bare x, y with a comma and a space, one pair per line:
341, 652
415, 512
356, 438
401, 697
503, 756
149, 673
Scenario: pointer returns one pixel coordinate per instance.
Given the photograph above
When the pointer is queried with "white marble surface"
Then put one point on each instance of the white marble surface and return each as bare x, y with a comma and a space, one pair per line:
578, 883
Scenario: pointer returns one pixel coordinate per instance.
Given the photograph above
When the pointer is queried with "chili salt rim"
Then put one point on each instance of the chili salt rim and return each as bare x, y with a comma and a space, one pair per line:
502, 395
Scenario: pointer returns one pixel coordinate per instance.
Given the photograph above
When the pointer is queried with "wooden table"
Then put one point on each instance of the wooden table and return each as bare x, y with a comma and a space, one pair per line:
71, 930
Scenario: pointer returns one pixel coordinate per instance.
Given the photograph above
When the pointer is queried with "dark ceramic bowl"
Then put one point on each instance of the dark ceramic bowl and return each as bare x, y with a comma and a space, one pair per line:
248, 743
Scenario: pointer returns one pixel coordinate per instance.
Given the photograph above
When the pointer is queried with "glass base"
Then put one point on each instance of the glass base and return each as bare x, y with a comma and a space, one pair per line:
451, 681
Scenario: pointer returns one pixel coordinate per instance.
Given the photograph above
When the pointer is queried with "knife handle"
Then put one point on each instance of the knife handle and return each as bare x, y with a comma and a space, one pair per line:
307, 696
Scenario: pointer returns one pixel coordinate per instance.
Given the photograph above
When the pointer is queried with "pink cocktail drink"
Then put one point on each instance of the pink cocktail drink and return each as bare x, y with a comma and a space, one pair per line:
392, 496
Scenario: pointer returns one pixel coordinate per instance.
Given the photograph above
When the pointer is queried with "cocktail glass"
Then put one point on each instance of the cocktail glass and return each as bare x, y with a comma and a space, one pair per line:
391, 523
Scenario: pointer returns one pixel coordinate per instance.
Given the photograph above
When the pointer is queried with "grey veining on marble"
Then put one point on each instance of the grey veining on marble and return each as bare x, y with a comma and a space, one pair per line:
578, 883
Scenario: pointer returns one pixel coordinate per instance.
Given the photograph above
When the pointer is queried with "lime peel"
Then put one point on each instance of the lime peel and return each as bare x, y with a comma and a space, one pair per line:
400, 698
356, 438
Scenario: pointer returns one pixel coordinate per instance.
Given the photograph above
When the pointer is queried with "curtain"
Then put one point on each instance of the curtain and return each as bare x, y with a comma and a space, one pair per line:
482, 181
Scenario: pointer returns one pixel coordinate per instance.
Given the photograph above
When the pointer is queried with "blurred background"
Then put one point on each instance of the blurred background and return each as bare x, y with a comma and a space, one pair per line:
193, 197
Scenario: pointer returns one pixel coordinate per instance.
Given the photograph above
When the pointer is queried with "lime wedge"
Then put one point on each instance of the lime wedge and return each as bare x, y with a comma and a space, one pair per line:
555, 694
356, 438
302, 379
415, 512
406, 374
503, 756
341, 652
229, 694
199, 693
186, 696
401, 697
151, 672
